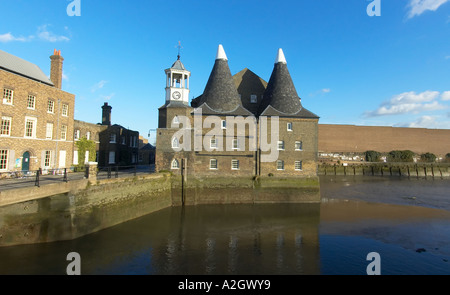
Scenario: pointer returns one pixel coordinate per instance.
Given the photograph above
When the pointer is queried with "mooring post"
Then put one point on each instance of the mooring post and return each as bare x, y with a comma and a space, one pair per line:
36, 182
65, 175
182, 180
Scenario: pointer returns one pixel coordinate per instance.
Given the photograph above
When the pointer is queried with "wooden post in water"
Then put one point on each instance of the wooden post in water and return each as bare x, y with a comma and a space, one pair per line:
183, 169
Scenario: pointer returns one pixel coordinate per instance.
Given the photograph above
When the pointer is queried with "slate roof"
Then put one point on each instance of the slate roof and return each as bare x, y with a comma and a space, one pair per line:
178, 65
237, 111
22, 67
175, 104
220, 92
302, 113
280, 92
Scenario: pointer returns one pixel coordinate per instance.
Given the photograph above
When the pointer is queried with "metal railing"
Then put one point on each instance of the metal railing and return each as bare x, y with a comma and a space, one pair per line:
20, 179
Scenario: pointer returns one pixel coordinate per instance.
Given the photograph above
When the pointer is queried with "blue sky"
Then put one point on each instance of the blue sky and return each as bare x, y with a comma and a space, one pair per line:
348, 67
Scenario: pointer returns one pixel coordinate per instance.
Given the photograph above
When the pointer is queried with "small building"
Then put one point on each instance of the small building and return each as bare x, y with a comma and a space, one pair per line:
37, 116
115, 144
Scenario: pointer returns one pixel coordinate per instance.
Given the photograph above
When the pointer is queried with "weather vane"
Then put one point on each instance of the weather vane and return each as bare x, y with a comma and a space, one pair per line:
179, 49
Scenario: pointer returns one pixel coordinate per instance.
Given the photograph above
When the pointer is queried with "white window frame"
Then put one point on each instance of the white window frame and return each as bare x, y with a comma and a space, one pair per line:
9, 120
8, 96
31, 98
65, 110
88, 135
51, 106
280, 145
4, 154
299, 163
223, 124
49, 131
235, 144
63, 132
213, 143
76, 135
299, 142
47, 159
211, 166
176, 120
112, 157
234, 164
175, 164
175, 143
278, 165
112, 138
33, 131
289, 126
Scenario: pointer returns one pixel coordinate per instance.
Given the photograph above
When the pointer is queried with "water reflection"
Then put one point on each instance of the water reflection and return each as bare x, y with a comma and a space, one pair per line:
331, 238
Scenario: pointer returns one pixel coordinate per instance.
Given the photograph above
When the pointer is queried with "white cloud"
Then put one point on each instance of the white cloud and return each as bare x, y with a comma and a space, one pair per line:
408, 102
8, 37
445, 95
431, 122
99, 85
42, 34
326, 90
45, 35
65, 77
417, 7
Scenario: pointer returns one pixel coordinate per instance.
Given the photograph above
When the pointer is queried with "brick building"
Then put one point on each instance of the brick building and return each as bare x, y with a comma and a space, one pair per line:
115, 144
231, 129
37, 117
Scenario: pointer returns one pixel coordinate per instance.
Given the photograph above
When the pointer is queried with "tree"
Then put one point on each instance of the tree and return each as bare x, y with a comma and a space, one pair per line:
401, 156
372, 156
428, 157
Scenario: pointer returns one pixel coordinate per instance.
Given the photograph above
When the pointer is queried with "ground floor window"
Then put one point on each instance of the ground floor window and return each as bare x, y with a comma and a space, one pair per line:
280, 165
235, 164
112, 157
213, 164
298, 165
3, 159
47, 158
175, 164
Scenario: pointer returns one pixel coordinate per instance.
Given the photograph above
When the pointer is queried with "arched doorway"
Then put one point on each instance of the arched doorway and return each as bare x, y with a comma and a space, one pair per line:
26, 162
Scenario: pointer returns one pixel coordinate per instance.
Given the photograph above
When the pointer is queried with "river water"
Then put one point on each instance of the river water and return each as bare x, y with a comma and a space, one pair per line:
406, 221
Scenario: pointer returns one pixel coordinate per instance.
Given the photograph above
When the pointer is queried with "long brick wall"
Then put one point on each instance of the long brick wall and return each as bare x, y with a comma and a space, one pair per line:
358, 139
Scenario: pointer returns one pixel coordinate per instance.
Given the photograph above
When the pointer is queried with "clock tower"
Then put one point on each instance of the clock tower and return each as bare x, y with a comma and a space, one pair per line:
177, 83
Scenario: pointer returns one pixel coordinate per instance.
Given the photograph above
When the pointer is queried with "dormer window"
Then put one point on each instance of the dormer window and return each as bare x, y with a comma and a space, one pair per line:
253, 98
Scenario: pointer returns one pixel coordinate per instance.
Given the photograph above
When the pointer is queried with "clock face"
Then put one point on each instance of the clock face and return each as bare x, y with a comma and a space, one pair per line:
176, 95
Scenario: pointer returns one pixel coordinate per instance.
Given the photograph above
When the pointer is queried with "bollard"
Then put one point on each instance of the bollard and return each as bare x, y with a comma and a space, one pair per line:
65, 175
36, 182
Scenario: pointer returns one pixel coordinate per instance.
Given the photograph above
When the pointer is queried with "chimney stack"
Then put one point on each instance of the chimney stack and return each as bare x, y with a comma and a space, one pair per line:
56, 68
106, 114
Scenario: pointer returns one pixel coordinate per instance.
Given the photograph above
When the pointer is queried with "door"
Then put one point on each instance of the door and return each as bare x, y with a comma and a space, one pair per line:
62, 159
26, 162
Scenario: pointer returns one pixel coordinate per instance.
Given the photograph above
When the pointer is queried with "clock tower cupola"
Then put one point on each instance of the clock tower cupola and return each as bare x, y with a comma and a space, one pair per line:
177, 83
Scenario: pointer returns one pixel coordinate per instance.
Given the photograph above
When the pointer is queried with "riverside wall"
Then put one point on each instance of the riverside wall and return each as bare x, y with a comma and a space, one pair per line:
69, 211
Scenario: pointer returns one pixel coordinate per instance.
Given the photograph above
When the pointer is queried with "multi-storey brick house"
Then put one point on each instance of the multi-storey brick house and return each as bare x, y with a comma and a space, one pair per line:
36, 116
239, 126
115, 144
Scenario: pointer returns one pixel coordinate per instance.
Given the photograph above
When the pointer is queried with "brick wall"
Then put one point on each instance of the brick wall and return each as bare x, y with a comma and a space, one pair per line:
16, 143
358, 139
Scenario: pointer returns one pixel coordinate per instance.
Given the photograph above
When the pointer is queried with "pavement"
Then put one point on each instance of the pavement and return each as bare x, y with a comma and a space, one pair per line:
30, 180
